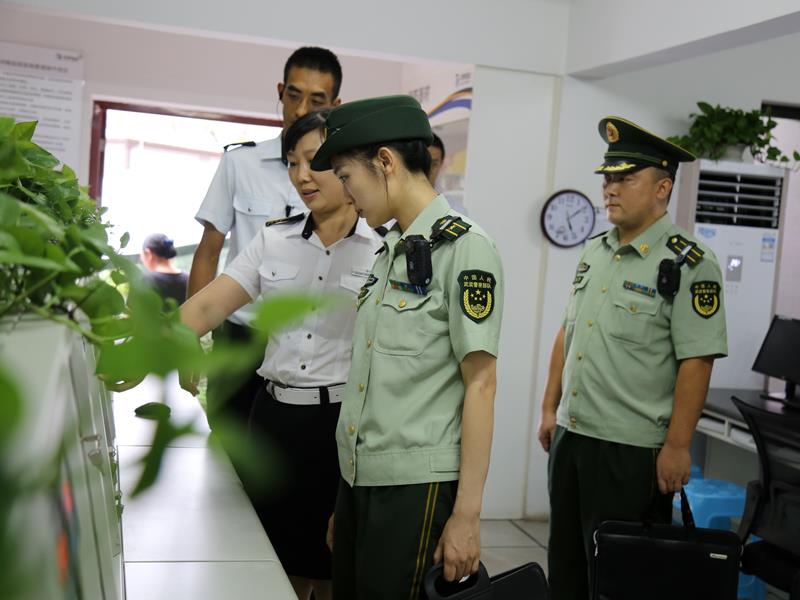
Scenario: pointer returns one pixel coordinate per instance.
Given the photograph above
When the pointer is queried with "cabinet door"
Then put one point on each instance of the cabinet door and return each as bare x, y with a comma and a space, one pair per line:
100, 473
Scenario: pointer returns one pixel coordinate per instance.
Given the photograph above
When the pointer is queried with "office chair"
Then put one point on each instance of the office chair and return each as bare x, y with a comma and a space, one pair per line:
772, 507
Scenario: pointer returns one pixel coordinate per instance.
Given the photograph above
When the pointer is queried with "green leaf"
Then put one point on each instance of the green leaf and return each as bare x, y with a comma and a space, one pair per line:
123, 241
17, 258
46, 221
11, 406
55, 253
28, 239
6, 126
10, 210
9, 242
112, 328
164, 435
38, 157
102, 300
96, 235
24, 131
796, 154
279, 311
118, 277
705, 107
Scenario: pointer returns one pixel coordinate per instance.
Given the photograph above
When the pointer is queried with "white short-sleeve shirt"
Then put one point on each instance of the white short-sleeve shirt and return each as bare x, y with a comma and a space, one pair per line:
251, 186
289, 257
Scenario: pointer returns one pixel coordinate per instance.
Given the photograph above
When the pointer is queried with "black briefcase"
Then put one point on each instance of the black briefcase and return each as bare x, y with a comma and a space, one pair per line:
527, 582
633, 561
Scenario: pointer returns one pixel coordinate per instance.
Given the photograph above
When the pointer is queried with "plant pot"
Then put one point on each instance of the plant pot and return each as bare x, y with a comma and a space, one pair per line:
736, 152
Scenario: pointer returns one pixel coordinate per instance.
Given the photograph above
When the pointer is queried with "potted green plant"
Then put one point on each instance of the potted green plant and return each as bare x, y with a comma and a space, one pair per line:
720, 132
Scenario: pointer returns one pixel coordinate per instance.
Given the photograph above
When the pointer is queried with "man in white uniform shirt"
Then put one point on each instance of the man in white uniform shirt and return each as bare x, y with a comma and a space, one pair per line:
250, 187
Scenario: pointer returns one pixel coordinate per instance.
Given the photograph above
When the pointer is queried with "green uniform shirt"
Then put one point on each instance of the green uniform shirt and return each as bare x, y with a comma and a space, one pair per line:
400, 421
623, 340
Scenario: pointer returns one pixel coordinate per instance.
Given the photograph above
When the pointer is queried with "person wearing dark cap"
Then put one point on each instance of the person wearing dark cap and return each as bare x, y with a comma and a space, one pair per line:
249, 188
156, 256
631, 364
415, 428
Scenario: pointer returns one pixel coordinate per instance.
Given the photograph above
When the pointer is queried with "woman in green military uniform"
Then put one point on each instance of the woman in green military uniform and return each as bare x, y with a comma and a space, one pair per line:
415, 429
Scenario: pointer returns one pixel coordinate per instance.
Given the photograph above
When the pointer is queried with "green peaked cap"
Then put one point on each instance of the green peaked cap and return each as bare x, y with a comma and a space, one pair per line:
631, 148
371, 121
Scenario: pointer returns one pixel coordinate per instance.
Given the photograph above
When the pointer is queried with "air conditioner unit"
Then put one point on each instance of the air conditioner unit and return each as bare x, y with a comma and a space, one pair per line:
737, 209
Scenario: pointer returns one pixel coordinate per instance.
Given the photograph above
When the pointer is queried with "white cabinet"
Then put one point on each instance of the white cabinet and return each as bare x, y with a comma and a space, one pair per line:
66, 524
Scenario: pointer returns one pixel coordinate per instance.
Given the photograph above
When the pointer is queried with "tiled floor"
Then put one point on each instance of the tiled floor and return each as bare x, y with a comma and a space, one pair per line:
509, 544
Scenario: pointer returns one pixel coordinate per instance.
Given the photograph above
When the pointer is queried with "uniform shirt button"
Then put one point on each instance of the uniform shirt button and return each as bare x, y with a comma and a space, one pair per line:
590, 323
604, 289
633, 308
573, 421
580, 356
369, 343
617, 257
351, 462
302, 367
308, 336
574, 392
377, 300
319, 277
328, 252
352, 429
360, 387
402, 304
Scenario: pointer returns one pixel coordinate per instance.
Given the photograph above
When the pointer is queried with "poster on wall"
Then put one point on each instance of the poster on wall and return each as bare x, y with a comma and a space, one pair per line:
44, 85
445, 93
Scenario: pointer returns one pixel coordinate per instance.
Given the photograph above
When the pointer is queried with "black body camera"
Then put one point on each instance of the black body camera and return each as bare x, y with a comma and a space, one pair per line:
418, 260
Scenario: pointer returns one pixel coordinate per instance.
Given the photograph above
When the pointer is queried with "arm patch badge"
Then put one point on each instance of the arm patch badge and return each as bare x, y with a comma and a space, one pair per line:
705, 298
477, 294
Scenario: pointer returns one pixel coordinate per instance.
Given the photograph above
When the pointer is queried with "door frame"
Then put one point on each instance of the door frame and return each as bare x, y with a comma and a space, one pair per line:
98, 141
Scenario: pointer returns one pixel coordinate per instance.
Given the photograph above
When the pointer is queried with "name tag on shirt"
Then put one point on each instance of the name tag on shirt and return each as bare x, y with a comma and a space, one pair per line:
360, 273
639, 289
408, 287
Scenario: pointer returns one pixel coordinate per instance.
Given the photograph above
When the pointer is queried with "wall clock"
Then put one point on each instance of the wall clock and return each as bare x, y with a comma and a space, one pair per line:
567, 218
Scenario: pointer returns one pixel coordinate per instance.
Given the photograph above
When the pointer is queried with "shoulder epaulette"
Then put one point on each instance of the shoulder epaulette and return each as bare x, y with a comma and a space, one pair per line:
677, 243
235, 145
292, 219
449, 228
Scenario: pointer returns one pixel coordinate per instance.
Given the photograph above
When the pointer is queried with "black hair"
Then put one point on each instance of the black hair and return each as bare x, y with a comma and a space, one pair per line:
316, 59
313, 121
414, 154
438, 143
659, 174
160, 245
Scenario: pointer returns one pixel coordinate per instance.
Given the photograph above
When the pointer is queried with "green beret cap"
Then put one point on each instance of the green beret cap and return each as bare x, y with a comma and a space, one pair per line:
371, 121
631, 148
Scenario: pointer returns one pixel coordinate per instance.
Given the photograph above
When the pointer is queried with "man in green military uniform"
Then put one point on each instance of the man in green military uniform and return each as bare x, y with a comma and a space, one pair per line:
631, 364
415, 427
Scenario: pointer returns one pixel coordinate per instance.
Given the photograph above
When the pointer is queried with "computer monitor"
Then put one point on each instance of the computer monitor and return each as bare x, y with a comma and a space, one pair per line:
779, 355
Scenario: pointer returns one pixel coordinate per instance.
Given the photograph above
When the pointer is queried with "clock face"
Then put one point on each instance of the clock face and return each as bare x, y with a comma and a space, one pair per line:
568, 218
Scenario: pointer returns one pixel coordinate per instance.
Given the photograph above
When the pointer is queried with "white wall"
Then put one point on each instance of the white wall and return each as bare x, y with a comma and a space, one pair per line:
508, 177
617, 36
519, 34
140, 65
660, 99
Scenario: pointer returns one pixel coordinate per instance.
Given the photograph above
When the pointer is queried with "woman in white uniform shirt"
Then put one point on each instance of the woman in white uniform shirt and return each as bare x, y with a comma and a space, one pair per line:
329, 250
